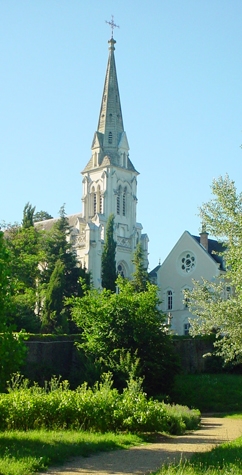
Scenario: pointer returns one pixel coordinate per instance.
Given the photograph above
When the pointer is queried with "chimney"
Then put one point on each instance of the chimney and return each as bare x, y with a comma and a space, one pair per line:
204, 237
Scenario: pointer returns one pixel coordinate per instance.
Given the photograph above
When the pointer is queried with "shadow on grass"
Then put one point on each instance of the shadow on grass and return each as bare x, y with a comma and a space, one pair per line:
58, 446
220, 457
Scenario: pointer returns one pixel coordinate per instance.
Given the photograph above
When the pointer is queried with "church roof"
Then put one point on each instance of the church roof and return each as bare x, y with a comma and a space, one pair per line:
110, 138
214, 247
47, 224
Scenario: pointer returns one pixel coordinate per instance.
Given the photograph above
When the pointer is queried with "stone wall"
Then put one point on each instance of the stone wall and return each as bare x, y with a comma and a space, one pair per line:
47, 357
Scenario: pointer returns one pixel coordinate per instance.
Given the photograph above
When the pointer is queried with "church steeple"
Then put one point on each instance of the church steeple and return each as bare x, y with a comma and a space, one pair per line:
110, 145
110, 122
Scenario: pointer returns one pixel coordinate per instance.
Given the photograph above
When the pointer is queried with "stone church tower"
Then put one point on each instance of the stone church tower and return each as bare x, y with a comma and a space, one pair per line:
109, 187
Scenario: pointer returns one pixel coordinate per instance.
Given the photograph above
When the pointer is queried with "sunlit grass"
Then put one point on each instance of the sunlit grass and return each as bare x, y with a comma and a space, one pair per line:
222, 460
23, 453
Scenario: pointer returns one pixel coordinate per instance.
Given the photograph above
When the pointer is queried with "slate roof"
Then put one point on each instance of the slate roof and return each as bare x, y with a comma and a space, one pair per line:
47, 224
214, 247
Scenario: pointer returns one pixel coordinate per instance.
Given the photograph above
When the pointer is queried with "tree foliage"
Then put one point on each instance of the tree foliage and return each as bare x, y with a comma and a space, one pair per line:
28, 216
12, 350
25, 253
41, 216
140, 275
118, 329
217, 313
60, 276
108, 271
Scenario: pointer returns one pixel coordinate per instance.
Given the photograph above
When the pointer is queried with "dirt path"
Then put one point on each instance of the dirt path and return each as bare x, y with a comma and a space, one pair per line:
145, 459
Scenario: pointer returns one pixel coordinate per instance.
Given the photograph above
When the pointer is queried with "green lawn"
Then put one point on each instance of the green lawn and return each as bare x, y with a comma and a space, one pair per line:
209, 392
222, 460
23, 453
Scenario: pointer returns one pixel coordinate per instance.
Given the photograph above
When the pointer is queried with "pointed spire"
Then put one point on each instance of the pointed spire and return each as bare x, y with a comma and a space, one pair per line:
110, 122
110, 145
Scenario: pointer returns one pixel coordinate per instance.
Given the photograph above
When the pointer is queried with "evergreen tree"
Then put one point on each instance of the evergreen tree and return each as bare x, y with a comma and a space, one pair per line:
28, 216
54, 317
140, 275
41, 216
61, 272
108, 272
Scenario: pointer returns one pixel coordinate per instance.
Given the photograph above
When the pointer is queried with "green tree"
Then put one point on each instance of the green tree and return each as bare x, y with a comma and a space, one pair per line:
216, 313
12, 349
140, 275
108, 268
24, 245
127, 325
41, 216
28, 216
60, 266
54, 317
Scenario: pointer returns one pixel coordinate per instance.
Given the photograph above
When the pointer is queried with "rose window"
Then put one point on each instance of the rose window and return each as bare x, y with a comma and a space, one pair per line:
187, 262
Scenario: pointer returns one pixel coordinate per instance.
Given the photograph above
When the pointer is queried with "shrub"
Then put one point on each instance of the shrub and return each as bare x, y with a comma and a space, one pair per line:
100, 408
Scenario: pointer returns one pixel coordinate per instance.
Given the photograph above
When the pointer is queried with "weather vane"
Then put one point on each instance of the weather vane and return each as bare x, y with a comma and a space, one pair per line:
112, 24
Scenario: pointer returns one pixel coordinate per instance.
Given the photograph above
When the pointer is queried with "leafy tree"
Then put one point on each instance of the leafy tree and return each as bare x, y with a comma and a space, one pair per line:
41, 216
126, 326
24, 245
217, 314
108, 271
28, 216
12, 349
140, 275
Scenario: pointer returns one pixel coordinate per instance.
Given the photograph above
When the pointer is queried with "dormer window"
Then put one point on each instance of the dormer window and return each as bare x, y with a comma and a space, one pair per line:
110, 137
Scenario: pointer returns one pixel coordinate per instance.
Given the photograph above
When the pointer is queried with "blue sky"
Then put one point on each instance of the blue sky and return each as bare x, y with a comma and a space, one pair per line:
180, 79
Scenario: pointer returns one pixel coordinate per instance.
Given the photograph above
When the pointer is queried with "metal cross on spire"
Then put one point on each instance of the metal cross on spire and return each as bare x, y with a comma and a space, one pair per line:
112, 24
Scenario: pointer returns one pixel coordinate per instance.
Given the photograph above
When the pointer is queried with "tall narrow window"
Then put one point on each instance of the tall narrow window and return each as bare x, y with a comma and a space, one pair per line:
118, 200
169, 300
124, 202
94, 203
100, 204
110, 137
186, 327
118, 204
186, 300
99, 200
228, 292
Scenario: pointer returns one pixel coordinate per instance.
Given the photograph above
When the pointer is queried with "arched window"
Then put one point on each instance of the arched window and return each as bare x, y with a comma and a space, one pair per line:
169, 296
121, 270
186, 300
186, 328
110, 137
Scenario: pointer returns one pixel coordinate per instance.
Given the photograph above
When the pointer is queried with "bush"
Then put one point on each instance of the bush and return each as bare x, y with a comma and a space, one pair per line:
100, 408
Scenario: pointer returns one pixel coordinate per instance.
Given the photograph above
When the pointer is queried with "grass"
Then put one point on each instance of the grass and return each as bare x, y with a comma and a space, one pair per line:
24, 453
209, 392
222, 460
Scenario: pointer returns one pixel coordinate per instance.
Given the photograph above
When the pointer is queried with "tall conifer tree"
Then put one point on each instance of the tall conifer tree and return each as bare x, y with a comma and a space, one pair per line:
109, 273
140, 275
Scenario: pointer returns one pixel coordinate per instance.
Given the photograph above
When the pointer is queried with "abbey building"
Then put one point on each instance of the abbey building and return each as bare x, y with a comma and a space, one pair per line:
109, 187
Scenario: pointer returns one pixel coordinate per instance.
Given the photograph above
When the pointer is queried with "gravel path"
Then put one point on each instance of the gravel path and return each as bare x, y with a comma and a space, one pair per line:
145, 459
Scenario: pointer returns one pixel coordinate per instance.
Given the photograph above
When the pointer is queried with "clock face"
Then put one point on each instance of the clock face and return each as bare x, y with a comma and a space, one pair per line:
187, 262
